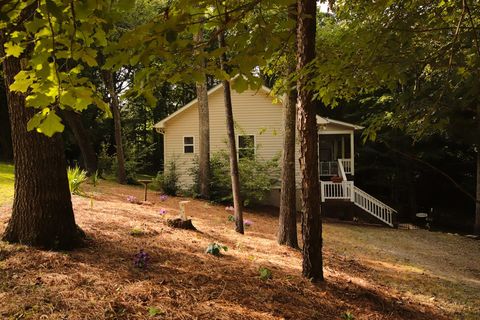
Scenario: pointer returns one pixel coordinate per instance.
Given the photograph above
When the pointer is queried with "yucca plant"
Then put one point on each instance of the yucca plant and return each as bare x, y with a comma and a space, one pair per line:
76, 177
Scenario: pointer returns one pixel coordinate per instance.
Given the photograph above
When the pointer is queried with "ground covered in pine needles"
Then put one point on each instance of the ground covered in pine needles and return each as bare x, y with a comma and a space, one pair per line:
371, 272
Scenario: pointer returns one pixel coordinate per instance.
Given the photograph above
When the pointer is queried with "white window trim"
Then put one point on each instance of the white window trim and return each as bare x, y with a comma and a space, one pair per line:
188, 145
254, 144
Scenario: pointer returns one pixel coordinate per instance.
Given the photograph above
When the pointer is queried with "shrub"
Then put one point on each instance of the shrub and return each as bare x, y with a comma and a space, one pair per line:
265, 273
105, 160
215, 249
76, 177
169, 180
257, 178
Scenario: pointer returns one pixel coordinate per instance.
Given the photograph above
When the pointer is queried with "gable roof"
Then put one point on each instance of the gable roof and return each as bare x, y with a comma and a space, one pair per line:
320, 120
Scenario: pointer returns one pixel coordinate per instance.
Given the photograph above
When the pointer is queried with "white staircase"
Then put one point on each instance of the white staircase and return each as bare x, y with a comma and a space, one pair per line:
346, 190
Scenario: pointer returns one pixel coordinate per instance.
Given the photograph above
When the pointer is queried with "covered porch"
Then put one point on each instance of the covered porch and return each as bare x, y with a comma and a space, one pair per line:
333, 148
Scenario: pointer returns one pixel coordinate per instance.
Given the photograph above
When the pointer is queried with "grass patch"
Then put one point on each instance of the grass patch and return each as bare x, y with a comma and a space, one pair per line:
6, 183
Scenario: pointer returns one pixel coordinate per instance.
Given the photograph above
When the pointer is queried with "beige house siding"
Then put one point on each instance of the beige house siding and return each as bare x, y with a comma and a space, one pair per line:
254, 113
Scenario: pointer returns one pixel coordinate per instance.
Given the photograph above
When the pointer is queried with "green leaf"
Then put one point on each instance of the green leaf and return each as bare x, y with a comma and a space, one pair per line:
13, 49
22, 82
51, 124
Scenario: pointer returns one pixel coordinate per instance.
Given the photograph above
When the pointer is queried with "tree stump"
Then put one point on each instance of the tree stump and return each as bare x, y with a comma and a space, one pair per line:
181, 224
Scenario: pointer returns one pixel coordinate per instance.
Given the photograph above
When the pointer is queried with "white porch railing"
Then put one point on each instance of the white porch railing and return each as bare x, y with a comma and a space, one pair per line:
328, 168
336, 191
331, 168
347, 165
345, 190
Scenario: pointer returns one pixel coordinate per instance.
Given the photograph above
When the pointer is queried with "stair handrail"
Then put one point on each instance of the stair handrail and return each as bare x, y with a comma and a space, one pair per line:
341, 170
373, 199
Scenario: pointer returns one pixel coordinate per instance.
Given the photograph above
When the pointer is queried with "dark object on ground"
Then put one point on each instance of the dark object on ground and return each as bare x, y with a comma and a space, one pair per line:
181, 224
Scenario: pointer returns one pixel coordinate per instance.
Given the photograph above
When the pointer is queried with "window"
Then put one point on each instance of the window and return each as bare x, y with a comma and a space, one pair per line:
188, 145
246, 146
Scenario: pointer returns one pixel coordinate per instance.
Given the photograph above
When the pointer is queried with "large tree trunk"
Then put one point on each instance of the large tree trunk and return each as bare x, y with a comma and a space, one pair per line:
74, 121
108, 78
204, 131
287, 227
237, 202
307, 128
42, 214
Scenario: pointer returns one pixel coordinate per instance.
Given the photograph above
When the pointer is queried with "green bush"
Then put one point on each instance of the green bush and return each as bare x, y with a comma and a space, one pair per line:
257, 178
76, 177
167, 182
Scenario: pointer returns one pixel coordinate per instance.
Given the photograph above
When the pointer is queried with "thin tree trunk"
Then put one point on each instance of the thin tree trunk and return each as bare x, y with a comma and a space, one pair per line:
287, 225
204, 131
237, 202
74, 121
115, 107
42, 213
287, 228
477, 200
307, 128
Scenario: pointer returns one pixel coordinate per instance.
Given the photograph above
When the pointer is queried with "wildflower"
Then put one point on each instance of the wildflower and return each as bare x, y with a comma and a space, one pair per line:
132, 199
247, 223
163, 211
230, 208
163, 197
141, 259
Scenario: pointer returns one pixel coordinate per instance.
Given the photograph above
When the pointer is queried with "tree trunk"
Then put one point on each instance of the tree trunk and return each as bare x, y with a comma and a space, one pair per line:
115, 106
477, 203
74, 121
307, 128
204, 132
287, 227
237, 202
42, 214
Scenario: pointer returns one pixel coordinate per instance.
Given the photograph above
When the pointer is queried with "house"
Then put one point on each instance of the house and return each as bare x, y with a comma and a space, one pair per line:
258, 122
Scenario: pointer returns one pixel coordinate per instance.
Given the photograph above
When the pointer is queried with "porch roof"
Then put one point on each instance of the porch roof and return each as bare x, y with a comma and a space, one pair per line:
324, 121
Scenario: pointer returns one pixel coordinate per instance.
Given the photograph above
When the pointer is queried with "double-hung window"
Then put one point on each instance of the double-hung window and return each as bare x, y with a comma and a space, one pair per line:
246, 146
188, 145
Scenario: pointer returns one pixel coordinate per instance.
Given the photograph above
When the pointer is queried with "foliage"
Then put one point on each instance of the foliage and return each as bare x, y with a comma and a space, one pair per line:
76, 177
215, 249
257, 178
168, 181
95, 178
105, 160
347, 315
141, 259
265, 273
137, 232
231, 218
154, 311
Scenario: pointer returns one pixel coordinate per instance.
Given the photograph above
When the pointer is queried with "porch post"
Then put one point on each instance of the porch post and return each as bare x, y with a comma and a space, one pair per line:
343, 147
352, 153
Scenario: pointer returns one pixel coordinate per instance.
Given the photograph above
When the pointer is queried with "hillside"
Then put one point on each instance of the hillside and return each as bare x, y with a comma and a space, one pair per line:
371, 273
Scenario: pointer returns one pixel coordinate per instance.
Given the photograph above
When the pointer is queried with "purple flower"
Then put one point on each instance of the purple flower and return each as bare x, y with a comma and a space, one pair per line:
163, 197
141, 259
132, 199
163, 211
230, 208
247, 223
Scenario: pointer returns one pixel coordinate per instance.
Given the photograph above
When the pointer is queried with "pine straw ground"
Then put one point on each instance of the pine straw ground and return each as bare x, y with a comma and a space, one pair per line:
182, 282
